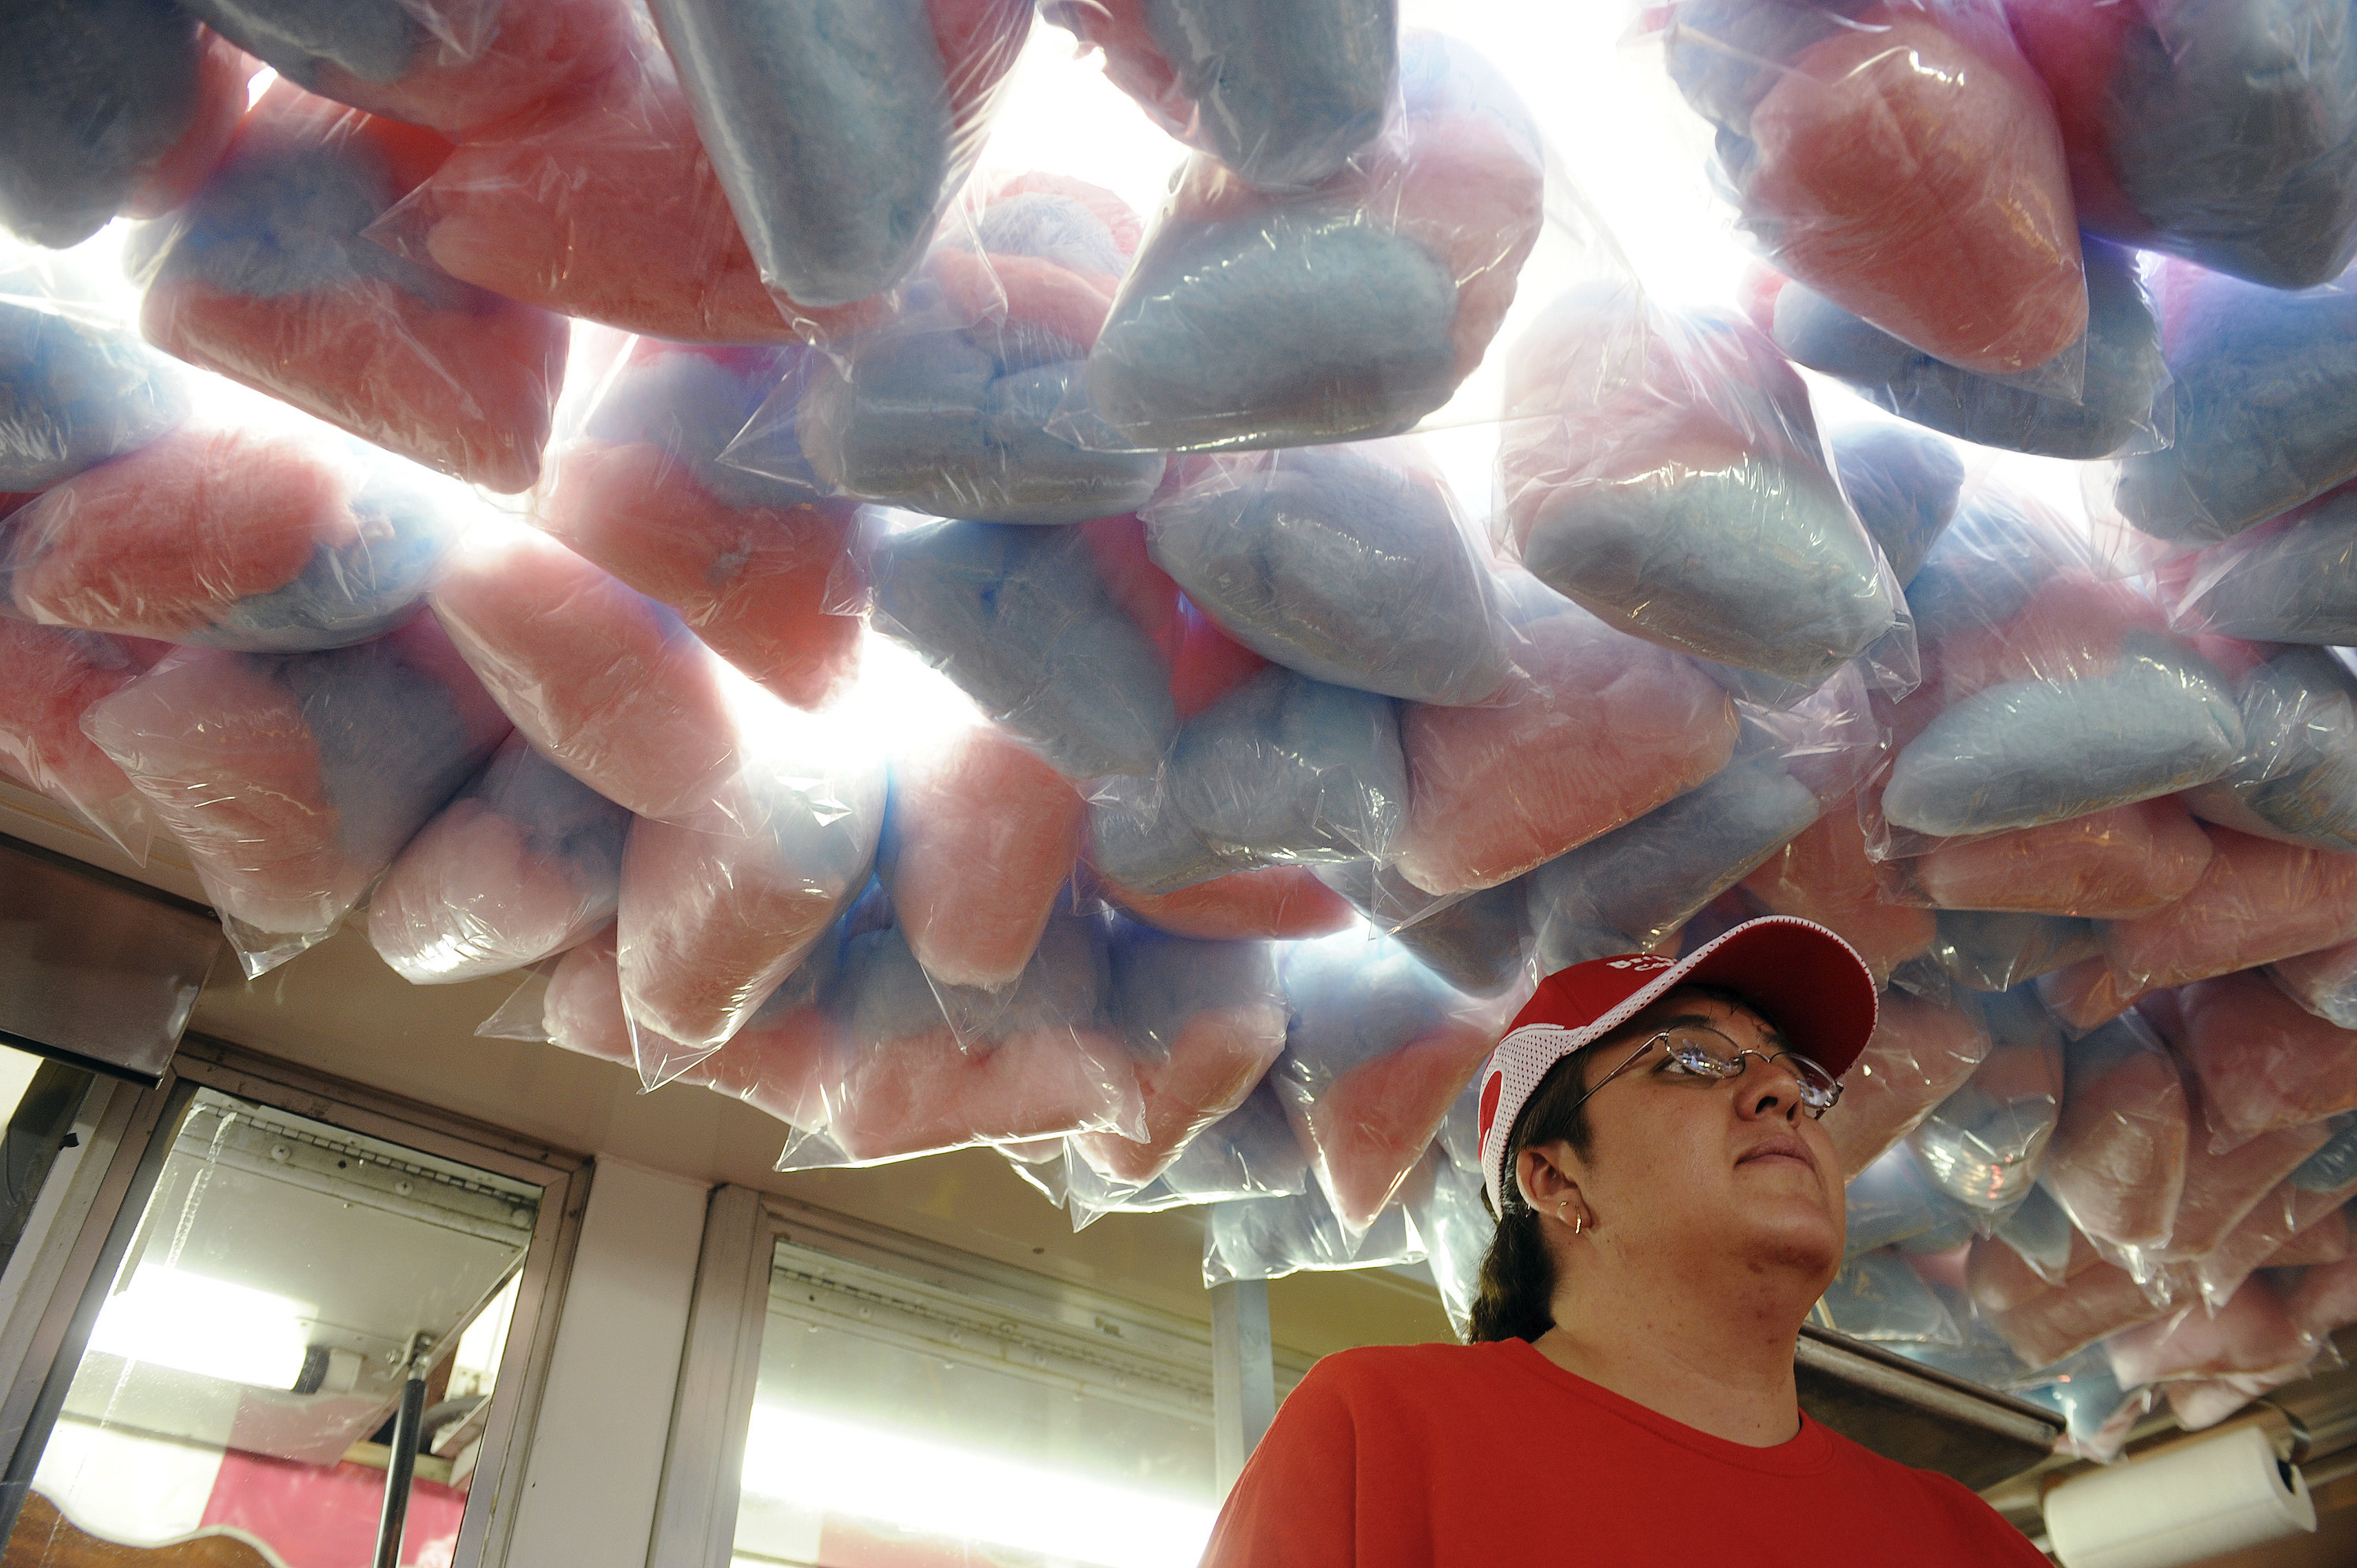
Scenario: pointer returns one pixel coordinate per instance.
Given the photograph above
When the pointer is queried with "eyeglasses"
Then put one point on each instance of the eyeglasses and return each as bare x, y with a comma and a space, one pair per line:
1694, 1051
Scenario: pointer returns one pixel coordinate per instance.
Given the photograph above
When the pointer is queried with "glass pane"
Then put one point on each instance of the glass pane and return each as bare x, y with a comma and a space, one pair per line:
40, 1099
241, 1376
1038, 1442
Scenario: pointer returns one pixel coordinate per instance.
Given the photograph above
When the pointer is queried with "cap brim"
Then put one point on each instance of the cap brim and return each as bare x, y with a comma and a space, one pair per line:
1801, 977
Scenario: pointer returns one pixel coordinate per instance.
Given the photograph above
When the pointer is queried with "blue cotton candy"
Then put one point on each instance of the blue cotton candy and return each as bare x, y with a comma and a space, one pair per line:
1903, 485
1983, 1146
1480, 944
2296, 781
2333, 1166
1020, 621
1284, 92
1343, 565
829, 124
2293, 584
73, 395
2125, 372
694, 407
1353, 1003
2264, 384
2022, 753
1636, 884
92, 93
1992, 950
373, 39
354, 592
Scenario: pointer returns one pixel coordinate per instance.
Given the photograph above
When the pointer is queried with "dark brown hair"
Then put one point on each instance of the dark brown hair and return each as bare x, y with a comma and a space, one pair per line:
1516, 1299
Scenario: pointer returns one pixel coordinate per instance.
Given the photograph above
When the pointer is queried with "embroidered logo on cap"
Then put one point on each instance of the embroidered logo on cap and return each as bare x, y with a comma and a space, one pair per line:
1641, 961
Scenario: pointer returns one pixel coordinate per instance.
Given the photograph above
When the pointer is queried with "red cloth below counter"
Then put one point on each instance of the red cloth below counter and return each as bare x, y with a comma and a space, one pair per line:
1438, 1455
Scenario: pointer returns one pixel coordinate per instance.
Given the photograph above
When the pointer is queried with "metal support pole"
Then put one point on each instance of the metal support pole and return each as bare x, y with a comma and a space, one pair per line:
403, 1467
1243, 1373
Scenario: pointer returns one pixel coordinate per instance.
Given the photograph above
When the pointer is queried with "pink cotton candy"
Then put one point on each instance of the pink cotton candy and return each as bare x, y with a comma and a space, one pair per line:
2220, 1189
2257, 901
2326, 1300
606, 207
1824, 875
2111, 864
2043, 1322
538, 51
2264, 1061
1908, 166
1278, 903
1918, 1054
2324, 982
1217, 1057
605, 681
1605, 728
472, 859
49, 678
2117, 1160
2253, 1332
1205, 664
983, 837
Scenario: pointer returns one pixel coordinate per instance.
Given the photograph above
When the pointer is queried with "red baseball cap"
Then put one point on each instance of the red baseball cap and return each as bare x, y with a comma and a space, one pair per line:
1798, 976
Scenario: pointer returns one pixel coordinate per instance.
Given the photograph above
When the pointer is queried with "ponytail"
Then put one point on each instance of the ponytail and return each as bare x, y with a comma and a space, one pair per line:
1516, 1297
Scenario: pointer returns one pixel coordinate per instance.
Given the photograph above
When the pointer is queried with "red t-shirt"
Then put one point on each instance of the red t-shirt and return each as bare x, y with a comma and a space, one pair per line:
1403, 1457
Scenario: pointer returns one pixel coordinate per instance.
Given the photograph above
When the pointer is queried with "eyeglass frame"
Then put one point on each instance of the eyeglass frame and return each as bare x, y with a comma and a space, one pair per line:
1816, 1112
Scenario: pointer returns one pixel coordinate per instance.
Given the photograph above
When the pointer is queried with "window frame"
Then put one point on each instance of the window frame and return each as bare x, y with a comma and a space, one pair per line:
83, 1237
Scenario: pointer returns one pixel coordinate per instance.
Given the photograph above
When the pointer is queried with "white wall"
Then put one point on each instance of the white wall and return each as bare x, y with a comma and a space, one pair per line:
588, 1495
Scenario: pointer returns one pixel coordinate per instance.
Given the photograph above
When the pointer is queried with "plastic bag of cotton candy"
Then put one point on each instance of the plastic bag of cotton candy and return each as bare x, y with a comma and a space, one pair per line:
292, 780
264, 276
1378, 1049
1269, 1238
1634, 887
2052, 690
108, 107
1664, 469
1282, 95
2292, 578
840, 132
54, 676
644, 491
76, 388
1351, 308
1899, 158
943, 407
453, 65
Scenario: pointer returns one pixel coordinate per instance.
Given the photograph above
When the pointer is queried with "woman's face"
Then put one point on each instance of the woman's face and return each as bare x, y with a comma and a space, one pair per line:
1704, 1169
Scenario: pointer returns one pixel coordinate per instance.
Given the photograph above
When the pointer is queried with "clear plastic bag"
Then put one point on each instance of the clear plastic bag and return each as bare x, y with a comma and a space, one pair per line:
604, 206
1823, 874
1283, 94
1348, 311
1251, 1152
2264, 1061
2116, 863
1274, 903
1599, 729
1994, 951
53, 676
1631, 888
2221, 134
1893, 1203
2252, 1337
1918, 1054
2121, 405
1669, 476
710, 924
944, 407
264, 277
2260, 380
1904, 485
2054, 689
2257, 901
1282, 770
1269, 1238
1378, 1051
2297, 1222
2297, 780
263, 541
902, 1082
2325, 982
456, 65
2222, 1189
2325, 1300
1900, 156
1023, 622
1454, 1227
1877, 1297
841, 131
292, 779
1480, 944
1353, 564
2118, 1162
980, 843
603, 679
74, 392
111, 106
1986, 1143
745, 561
2291, 579
2041, 1235
2045, 1322
1203, 1021
526, 863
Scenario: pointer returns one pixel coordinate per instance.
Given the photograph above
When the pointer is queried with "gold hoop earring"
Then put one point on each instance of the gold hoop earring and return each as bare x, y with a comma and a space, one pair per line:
1579, 1225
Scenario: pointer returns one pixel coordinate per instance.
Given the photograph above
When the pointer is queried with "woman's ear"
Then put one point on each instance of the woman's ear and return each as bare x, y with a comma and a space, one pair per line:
1543, 1173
